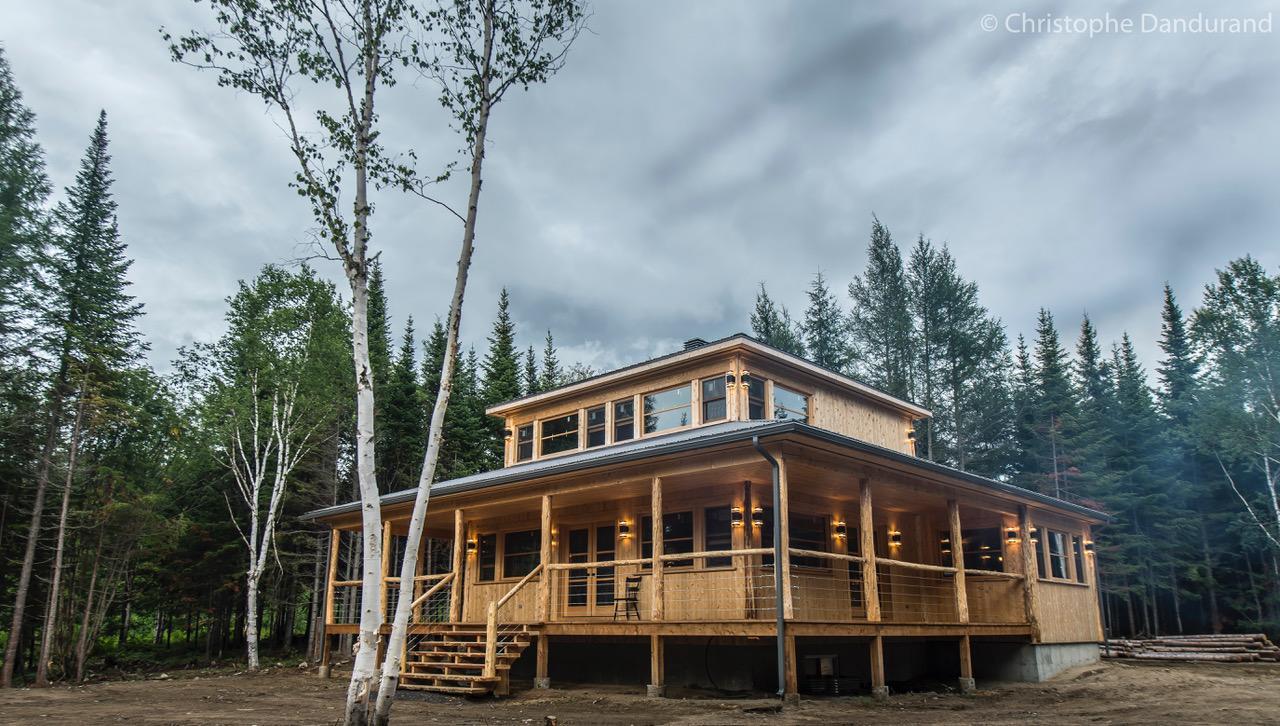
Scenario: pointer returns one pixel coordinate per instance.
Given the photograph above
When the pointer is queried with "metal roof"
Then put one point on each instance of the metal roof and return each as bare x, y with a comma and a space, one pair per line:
692, 440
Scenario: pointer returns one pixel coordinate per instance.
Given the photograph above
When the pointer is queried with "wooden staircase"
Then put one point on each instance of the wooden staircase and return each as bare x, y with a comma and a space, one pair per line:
451, 660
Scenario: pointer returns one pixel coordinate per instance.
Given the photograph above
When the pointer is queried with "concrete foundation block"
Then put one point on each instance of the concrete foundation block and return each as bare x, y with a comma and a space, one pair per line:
967, 685
543, 683
791, 699
653, 691
880, 693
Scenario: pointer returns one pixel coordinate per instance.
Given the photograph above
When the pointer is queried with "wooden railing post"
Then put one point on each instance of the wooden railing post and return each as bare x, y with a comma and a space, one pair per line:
544, 582
656, 514
335, 541
387, 554
491, 641
784, 529
1031, 596
957, 561
459, 547
867, 537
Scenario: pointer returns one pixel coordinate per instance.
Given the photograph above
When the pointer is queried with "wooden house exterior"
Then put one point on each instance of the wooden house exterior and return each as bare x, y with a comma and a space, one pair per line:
666, 505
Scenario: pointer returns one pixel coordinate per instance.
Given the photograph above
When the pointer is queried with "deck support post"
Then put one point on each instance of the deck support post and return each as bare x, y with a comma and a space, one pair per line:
657, 671
878, 688
1031, 596
458, 584
967, 685
957, 561
544, 579
656, 514
867, 538
782, 531
335, 544
541, 678
791, 685
326, 643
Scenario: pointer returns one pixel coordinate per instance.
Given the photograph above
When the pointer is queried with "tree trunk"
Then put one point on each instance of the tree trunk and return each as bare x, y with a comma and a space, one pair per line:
1211, 583
1176, 590
251, 620
400, 623
55, 584
82, 641
33, 531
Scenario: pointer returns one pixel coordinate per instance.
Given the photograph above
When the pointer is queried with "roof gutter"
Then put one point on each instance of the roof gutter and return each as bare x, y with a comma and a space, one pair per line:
777, 565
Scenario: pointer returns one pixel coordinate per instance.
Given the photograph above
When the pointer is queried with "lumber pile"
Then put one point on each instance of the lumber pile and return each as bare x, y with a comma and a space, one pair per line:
1247, 648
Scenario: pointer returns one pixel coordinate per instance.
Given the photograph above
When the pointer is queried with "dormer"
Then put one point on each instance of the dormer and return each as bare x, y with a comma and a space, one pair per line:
705, 384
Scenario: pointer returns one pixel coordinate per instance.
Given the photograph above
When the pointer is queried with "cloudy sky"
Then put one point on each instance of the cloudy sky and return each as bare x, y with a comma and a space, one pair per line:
691, 150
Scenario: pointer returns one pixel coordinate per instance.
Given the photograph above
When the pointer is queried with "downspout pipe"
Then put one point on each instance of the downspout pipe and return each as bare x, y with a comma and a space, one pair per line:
777, 565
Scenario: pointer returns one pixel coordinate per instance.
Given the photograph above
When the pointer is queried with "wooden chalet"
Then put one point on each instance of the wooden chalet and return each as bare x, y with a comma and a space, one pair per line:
728, 516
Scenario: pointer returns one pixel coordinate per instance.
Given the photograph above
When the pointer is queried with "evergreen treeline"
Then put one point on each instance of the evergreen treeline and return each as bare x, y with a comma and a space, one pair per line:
1187, 463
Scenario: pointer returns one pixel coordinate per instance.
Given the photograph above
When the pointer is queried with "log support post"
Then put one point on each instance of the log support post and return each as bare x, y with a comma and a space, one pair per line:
544, 579
1031, 595
957, 561
878, 688
783, 515
459, 582
867, 537
335, 545
656, 516
966, 666
657, 670
791, 685
326, 644
542, 677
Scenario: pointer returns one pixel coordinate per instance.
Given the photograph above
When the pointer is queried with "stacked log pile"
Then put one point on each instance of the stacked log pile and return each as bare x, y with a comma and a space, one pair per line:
1246, 648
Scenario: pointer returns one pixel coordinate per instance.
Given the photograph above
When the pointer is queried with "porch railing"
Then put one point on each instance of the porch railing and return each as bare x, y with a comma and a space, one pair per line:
493, 632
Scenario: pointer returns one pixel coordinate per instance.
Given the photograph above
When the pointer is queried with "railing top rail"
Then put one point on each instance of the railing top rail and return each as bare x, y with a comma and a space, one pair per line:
829, 555
431, 591
715, 553
914, 565
347, 583
992, 573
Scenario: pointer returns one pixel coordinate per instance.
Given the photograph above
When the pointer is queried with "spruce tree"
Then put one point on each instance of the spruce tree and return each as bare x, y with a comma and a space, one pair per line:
432, 364
463, 451
824, 327
771, 324
90, 318
501, 376
1026, 465
552, 376
880, 324
532, 380
24, 188
1090, 427
403, 423
932, 287
379, 327
1054, 406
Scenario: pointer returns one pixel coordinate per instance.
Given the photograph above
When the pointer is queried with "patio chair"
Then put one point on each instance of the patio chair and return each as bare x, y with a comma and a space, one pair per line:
630, 600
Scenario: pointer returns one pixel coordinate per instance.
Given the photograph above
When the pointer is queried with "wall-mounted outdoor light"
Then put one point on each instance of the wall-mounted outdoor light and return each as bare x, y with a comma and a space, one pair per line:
735, 516
757, 516
506, 433
1011, 535
1088, 547
624, 529
895, 538
841, 530
472, 546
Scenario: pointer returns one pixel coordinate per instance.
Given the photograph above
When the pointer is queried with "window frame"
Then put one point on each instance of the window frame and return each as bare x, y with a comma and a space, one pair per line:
624, 421
1045, 557
703, 400
481, 551
530, 442
602, 428
773, 402
505, 555
688, 405
574, 434
499, 537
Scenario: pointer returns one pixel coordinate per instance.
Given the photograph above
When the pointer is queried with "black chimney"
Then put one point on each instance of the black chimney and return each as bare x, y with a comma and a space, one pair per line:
692, 343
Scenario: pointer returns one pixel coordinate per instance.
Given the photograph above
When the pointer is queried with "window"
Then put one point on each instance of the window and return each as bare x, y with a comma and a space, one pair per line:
595, 427
667, 409
677, 537
808, 532
790, 405
559, 434
981, 548
717, 533
524, 442
755, 397
1057, 554
1077, 553
520, 552
487, 558
715, 402
624, 420
1037, 538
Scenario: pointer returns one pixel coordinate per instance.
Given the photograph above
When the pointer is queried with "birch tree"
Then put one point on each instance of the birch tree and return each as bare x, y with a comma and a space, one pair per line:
319, 65
487, 47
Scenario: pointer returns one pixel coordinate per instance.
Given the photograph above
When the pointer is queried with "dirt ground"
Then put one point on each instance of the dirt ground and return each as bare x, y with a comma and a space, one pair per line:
1114, 692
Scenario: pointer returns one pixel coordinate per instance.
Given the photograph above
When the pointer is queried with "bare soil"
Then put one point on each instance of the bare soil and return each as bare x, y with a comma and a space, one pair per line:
1113, 692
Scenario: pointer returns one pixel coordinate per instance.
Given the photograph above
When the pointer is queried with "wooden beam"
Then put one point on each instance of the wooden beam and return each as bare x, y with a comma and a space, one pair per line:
784, 528
1031, 595
867, 537
544, 582
966, 666
459, 582
657, 667
386, 568
957, 560
655, 507
878, 687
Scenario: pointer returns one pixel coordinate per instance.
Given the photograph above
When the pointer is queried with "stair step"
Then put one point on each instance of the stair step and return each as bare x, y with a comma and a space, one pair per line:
465, 677
417, 667
421, 656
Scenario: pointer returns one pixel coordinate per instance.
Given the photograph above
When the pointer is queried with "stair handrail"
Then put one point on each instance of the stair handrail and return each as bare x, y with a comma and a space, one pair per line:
413, 606
491, 624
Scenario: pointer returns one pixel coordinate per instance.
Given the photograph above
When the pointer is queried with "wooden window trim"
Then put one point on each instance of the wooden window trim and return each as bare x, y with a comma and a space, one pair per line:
500, 550
640, 414
1069, 579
